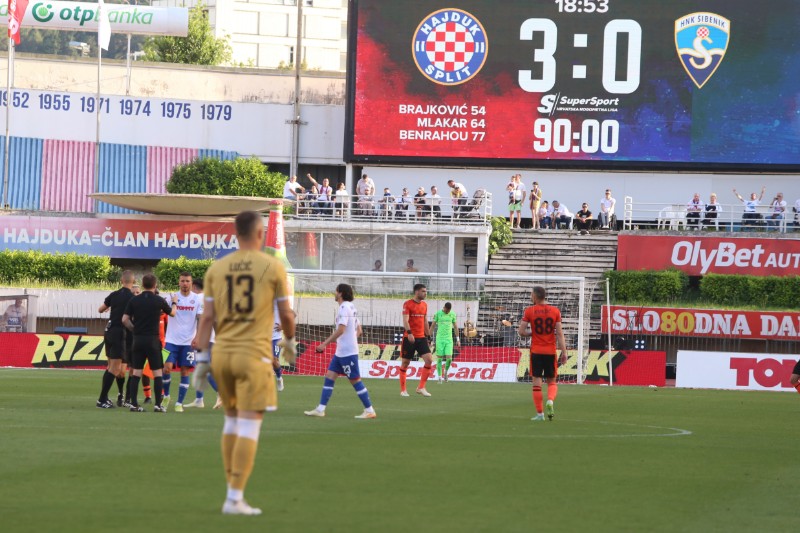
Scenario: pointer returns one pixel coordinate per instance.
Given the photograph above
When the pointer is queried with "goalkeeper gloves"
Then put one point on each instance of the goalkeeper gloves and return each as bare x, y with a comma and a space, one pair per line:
288, 349
201, 370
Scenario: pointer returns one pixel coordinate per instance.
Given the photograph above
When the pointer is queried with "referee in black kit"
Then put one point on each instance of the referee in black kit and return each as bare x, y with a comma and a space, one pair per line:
117, 341
142, 317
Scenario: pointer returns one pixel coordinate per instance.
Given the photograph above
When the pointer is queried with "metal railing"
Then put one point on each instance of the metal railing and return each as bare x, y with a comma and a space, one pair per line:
476, 210
730, 217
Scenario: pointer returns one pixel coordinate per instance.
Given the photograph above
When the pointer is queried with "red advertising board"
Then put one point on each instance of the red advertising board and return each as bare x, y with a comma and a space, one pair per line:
119, 237
472, 363
709, 255
735, 371
714, 323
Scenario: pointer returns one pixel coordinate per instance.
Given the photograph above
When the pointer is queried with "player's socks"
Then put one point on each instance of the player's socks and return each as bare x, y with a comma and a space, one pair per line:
212, 382
423, 378
327, 392
244, 452
228, 442
158, 383
402, 379
121, 383
363, 394
108, 381
184, 388
278, 372
797, 387
537, 398
552, 391
133, 387
447, 363
148, 393
167, 380
439, 367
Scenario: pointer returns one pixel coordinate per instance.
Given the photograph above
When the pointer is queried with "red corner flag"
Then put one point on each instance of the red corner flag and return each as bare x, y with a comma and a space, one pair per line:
16, 10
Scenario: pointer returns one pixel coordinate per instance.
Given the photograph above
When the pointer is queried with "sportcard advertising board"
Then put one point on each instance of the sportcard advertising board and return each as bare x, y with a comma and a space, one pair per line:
596, 84
708, 323
737, 371
709, 255
380, 361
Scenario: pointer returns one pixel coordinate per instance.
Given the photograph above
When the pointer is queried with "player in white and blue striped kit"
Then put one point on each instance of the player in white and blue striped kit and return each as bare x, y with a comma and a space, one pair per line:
345, 362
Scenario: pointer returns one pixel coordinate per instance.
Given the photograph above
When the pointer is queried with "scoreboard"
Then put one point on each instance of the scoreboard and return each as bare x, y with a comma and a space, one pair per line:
699, 85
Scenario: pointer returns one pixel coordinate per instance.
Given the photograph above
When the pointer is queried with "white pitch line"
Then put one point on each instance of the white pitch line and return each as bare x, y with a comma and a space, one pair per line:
673, 432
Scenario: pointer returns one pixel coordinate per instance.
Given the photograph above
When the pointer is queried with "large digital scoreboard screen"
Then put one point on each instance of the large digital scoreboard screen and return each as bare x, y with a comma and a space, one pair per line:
593, 84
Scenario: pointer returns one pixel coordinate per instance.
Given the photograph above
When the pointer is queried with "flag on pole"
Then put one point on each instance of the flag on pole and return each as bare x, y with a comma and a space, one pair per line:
103, 26
16, 11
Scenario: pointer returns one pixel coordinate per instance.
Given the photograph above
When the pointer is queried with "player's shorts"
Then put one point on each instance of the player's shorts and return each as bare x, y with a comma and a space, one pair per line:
115, 344
419, 346
543, 366
444, 348
180, 355
796, 369
517, 206
147, 348
346, 366
244, 382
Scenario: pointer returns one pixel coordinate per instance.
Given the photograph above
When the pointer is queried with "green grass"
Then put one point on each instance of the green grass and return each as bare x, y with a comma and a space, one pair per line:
467, 459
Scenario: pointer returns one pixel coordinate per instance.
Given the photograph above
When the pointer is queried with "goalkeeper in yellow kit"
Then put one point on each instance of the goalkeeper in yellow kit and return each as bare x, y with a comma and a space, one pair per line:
446, 330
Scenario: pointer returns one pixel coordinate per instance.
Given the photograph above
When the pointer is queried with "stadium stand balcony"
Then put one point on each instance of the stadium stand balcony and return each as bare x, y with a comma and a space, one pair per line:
352, 208
648, 215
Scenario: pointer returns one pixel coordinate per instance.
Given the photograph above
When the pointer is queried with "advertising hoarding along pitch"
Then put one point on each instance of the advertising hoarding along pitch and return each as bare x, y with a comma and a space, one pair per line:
734, 371
83, 16
709, 323
709, 255
596, 84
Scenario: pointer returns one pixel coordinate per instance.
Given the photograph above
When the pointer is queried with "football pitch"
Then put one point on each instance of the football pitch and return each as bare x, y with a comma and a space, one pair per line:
467, 459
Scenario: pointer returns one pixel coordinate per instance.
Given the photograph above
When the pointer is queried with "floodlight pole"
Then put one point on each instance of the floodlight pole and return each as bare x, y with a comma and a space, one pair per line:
9, 101
97, 127
608, 325
128, 69
295, 160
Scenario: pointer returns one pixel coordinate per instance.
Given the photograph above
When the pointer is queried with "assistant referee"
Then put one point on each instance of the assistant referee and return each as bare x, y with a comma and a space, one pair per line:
142, 316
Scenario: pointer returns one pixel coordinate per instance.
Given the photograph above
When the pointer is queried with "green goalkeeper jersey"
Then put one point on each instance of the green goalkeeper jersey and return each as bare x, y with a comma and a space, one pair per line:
445, 325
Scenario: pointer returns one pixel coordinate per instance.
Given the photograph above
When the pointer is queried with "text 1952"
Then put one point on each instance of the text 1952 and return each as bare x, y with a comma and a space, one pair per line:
19, 99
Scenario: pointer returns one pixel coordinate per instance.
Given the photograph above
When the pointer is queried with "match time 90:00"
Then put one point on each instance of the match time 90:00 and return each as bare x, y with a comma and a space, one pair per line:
590, 136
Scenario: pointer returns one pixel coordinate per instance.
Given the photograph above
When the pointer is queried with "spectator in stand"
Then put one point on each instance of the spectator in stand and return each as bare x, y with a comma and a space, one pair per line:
402, 205
309, 200
520, 193
410, 266
386, 201
694, 209
561, 215
459, 195
364, 187
535, 203
378, 266
421, 204
435, 202
510, 190
751, 216
778, 211
341, 200
606, 210
15, 317
545, 215
713, 209
366, 201
584, 219
796, 209
324, 203
292, 189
